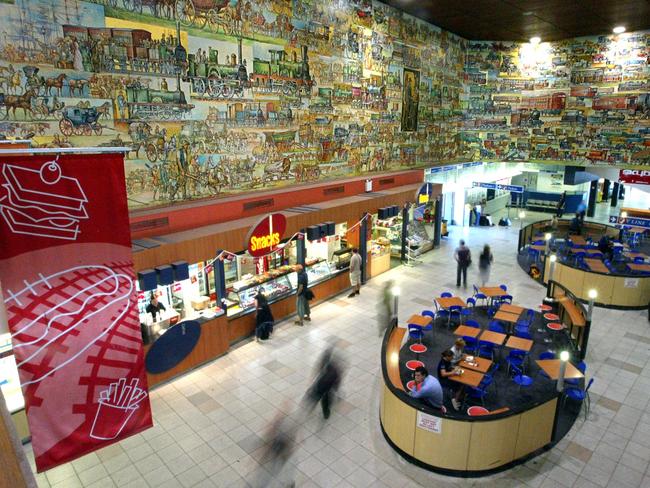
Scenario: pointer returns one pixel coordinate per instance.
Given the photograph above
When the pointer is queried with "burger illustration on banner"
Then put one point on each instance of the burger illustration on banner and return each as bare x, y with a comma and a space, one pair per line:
42, 202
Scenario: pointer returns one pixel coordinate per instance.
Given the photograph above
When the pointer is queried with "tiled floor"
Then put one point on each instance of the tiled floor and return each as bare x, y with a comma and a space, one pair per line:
210, 425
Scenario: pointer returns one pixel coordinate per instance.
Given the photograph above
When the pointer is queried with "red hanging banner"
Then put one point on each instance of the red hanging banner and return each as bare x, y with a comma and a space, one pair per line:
69, 291
635, 176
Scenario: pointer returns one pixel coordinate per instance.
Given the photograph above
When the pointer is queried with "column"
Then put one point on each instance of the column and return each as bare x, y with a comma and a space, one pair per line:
301, 251
220, 280
605, 190
405, 231
621, 191
615, 191
437, 226
593, 193
363, 246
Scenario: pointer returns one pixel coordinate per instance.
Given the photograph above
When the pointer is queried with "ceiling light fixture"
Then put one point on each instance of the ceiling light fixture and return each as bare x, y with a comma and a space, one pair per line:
619, 29
535, 40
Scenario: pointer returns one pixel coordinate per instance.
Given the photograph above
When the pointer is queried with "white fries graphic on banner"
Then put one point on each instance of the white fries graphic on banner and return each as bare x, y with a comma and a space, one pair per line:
116, 406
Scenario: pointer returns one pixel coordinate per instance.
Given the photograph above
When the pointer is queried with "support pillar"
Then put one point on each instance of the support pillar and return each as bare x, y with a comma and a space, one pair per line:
615, 191
363, 246
593, 193
405, 231
606, 190
437, 226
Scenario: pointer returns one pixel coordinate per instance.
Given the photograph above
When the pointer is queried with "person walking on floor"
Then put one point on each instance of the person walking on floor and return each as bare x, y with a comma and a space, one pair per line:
278, 452
484, 264
463, 258
386, 312
263, 318
302, 303
326, 384
560, 205
355, 272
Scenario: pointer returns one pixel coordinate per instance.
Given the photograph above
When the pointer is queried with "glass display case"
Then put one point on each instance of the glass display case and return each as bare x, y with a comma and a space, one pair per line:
9, 381
341, 258
241, 297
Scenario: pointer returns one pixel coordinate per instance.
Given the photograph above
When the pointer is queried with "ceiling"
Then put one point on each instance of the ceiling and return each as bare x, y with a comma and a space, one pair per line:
519, 20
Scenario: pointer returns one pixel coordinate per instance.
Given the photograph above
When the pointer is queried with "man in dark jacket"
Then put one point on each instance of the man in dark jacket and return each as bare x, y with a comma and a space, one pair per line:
463, 257
327, 382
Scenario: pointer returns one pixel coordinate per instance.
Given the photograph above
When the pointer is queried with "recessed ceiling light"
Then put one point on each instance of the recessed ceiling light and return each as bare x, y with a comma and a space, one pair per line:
619, 30
535, 40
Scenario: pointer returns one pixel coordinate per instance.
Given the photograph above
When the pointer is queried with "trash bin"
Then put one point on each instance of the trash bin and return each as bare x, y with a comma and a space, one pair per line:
443, 228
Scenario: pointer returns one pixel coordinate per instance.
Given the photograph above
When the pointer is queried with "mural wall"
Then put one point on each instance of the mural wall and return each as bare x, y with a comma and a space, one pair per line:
221, 96
216, 97
579, 101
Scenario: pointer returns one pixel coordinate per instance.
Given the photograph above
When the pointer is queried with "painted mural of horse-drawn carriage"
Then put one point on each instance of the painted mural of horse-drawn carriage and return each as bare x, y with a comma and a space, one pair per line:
80, 121
217, 14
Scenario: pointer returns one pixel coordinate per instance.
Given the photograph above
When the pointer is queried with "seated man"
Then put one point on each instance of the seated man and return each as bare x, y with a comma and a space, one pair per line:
606, 247
427, 388
575, 226
445, 370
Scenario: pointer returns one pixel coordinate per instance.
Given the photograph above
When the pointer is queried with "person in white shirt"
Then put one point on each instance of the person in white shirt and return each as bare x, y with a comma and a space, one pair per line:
457, 350
355, 272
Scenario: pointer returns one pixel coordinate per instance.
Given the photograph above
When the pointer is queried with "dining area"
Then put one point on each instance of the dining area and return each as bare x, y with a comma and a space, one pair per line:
508, 362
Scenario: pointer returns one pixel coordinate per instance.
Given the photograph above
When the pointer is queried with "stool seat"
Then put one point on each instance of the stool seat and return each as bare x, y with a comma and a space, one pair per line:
545, 308
551, 316
413, 364
476, 411
555, 325
418, 348
410, 385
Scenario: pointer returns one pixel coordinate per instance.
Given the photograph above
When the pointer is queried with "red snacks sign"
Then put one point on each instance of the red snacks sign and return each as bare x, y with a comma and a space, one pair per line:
635, 176
68, 284
266, 235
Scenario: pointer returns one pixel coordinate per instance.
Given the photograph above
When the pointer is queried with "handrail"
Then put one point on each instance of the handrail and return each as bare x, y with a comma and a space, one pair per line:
526, 233
581, 340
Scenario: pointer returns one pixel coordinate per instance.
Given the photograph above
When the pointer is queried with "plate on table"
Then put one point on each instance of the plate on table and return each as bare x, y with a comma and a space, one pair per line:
469, 358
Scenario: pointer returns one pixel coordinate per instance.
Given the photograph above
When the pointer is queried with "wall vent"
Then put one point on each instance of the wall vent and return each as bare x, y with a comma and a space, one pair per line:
150, 224
334, 189
267, 202
386, 181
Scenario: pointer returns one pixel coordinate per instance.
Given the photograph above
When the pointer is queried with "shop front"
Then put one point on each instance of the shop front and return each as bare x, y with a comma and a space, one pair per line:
210, 276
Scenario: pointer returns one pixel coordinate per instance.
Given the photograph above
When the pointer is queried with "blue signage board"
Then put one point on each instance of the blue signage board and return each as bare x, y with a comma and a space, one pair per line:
498, 186
631, 221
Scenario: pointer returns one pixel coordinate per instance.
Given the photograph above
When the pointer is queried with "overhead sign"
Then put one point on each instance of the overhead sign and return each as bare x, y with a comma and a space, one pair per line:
498, 186
631, 221
424, 193
69, 290
265, 236
635, 176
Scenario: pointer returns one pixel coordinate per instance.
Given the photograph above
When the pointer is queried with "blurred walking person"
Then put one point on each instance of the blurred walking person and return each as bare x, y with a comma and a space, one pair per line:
386, 309
484, 264
282, 441
328, 380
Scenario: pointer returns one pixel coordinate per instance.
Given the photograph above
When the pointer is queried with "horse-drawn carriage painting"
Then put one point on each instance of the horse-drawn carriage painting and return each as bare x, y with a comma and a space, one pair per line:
215, 97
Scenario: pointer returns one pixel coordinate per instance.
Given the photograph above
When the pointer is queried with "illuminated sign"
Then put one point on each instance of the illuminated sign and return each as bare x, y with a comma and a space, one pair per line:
265, 236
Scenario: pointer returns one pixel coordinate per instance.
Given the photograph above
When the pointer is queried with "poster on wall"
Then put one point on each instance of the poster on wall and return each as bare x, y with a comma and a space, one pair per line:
410, 100
69, 292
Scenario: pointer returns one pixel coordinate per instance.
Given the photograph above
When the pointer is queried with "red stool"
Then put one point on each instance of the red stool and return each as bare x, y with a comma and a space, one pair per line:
551, 316
545, 308
418, 348
413, 364
554, 326
410, 385
476, 411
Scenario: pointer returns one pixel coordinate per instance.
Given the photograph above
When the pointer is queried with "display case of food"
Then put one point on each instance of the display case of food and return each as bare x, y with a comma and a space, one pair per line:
241, 297
380, 250
341, 258
418, 239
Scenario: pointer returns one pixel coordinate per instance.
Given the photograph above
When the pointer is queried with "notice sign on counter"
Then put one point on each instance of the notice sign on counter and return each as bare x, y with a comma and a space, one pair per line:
430, 423
631, 283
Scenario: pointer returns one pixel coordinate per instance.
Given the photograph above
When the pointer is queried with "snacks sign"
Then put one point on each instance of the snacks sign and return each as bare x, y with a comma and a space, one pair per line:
68, 288
634, 176
266, 235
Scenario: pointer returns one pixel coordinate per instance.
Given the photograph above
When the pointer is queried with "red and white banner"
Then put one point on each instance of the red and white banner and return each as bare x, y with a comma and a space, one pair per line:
634, 176
69, 291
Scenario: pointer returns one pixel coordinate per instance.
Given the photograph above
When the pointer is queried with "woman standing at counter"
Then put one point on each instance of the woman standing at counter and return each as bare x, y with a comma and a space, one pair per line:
263, 318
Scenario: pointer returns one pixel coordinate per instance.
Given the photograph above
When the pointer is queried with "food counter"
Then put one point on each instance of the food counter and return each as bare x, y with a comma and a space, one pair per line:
450, 444
380, 253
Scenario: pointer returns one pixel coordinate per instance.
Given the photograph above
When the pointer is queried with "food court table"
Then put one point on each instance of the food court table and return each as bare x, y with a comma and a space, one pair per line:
448, 302
597, 265
421, 320
465, 330
578, 240
493, 337
493, 291
639, 267
506, 316
552, 368
508, 307
482, 365
468, 377
520, 343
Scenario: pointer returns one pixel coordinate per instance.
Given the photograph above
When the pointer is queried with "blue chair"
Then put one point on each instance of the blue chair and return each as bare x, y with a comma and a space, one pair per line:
503, 287
478, 295
446, 294
469, 310
478, 393
471, 344
432, 315
579, 395
455, 312
520, 378
415, 332
524, 334
441, 313
473, 323
533, 254
638, 260
495, 326
505, 299
515, 359
486, 349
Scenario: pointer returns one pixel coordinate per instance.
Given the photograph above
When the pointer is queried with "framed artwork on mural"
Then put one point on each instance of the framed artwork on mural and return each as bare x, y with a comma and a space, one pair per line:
410, 100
